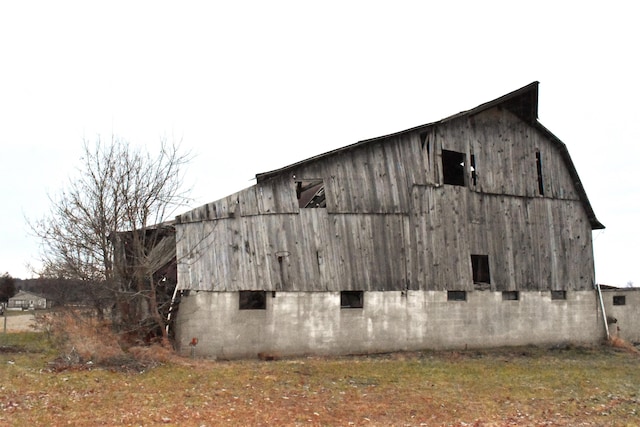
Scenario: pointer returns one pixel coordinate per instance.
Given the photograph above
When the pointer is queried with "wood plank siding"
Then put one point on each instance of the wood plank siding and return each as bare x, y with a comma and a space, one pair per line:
390, 222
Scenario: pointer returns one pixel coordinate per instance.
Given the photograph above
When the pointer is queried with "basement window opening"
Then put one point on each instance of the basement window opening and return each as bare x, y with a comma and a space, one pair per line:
539, 170
253, 300
351, 299
558, 295
480, 267
456, 295
310, 194
619, 300
510, 295
453, 167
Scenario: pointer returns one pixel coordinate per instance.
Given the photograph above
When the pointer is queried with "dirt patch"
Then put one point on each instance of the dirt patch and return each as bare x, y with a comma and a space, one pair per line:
11, 349
18, 323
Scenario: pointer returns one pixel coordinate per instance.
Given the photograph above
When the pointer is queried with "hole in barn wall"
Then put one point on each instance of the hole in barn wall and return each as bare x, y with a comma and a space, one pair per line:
425, 144
310, 194
558, 295
539, 170
480, 268
474, 174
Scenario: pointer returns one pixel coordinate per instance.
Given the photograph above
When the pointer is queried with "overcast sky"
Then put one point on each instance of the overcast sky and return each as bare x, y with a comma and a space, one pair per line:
252, 86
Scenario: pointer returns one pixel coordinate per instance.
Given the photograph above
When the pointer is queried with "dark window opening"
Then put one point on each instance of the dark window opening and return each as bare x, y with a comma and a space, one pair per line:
310, 194
351, 299
456, 295
480, 267
558, 294
474, 173
619, 300
253, 300
539, 169
453, 167
510, 296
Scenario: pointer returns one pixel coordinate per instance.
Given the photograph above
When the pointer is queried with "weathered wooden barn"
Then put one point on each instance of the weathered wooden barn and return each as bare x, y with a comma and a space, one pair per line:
474, 230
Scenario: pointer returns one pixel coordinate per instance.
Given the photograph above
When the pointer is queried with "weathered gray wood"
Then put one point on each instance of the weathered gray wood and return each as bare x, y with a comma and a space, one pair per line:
391, 224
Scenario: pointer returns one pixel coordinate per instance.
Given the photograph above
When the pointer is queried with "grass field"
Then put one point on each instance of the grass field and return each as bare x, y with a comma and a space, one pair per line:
506, 387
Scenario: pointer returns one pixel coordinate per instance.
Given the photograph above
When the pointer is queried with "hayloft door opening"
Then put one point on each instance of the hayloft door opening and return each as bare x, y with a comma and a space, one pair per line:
453, 169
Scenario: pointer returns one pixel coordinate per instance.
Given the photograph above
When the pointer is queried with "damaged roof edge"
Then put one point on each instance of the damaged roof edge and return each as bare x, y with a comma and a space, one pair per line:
522, 102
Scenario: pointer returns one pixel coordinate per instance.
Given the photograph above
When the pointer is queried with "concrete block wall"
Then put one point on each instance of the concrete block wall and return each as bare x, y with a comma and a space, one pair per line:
627, 315
301, 323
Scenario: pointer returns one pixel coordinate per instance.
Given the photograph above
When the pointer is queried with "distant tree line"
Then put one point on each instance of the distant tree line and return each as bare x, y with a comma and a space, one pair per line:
7, 287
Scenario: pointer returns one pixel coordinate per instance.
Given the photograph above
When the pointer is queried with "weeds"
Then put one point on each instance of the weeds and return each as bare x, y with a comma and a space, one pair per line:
85, 342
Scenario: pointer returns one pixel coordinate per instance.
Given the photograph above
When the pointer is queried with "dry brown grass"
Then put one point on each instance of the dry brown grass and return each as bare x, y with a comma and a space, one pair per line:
504, 387
617, 342
81, 338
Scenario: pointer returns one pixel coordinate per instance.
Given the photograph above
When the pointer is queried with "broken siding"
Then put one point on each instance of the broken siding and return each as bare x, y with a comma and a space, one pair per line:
270, 196
532, 244
372, 178
390, 223
505, 149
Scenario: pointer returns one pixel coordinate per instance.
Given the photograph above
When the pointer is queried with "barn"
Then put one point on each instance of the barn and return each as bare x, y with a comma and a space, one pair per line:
471, 231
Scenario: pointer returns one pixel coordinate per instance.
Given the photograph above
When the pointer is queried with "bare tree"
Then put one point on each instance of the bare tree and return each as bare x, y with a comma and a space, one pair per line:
109, 226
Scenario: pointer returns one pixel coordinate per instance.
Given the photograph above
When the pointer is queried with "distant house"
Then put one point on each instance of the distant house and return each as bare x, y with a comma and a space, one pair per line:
474, 230
27, 301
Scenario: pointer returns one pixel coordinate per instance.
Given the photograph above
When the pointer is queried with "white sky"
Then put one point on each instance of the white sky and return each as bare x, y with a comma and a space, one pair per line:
251, 86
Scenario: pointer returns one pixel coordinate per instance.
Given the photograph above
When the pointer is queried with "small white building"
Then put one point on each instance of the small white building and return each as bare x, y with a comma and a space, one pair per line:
27, 301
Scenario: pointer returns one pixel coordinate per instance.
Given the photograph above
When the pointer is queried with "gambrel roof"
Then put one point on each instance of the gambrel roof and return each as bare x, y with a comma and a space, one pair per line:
522, 102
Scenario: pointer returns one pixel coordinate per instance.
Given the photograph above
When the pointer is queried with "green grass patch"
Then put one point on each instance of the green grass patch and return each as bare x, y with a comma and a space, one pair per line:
25, 342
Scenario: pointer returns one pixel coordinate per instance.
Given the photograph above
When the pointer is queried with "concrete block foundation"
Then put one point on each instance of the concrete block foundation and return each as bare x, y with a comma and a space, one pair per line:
313, 323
